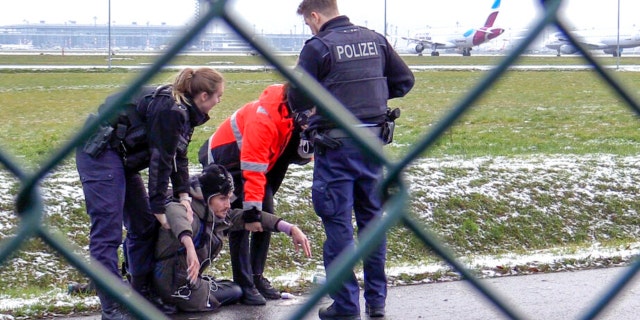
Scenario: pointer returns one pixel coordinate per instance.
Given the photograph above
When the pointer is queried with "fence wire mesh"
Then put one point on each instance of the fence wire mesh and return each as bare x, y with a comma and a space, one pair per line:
29, 203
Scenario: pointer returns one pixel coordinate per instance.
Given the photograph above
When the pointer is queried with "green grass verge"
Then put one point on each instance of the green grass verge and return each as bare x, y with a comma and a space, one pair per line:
526, 113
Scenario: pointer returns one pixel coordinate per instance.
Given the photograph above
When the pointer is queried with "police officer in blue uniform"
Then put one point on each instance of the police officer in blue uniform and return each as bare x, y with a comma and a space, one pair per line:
361, 69
153, 133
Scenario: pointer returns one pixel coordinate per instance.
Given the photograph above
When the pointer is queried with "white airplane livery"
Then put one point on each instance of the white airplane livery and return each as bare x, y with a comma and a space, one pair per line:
461, 41
608, 43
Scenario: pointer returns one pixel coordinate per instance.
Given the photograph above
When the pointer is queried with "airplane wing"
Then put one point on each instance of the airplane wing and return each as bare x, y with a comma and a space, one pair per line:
411, 39
433, 41
593, 44
417, 40
441, 41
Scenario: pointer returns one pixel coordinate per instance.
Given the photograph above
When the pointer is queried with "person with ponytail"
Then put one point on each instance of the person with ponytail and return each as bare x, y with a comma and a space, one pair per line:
152, 132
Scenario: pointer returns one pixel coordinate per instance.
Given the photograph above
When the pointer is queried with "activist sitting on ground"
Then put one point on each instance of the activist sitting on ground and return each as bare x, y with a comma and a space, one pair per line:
187, 249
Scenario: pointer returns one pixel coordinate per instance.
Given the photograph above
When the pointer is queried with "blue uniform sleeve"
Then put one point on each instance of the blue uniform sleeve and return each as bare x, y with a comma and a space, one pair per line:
311, 61
400, 79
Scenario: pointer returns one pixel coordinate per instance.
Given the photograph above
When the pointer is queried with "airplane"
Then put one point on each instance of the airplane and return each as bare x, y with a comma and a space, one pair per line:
464, 41
607, 42
16, 46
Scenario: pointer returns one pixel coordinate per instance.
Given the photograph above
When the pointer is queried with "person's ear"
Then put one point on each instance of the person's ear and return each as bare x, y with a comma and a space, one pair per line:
315, 17
203, 96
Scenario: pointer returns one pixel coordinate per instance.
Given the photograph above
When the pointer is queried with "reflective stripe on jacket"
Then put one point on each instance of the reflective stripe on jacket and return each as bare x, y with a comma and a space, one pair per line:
257, 134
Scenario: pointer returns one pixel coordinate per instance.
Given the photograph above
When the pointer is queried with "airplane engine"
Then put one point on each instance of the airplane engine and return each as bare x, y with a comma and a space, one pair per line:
568, 49
613, 52
419, 48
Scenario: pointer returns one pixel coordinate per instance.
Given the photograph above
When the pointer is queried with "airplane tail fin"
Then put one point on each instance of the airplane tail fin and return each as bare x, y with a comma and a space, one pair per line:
493, 15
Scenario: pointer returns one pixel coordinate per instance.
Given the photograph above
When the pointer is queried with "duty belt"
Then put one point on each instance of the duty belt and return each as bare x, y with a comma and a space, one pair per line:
341, 134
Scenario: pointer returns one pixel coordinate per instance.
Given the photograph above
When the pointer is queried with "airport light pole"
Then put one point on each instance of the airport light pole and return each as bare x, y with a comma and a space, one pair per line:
109, 36
385, 18
618, 40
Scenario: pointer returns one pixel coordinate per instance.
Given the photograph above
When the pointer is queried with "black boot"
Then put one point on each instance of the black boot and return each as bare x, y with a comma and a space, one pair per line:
112, 310
75, 288
266, 289
117, 313
142, 285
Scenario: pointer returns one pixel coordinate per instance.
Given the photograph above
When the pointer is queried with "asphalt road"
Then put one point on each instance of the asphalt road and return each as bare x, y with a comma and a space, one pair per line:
561, 295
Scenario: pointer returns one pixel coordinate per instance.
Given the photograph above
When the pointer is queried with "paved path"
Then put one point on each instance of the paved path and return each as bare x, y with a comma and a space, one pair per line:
562, 296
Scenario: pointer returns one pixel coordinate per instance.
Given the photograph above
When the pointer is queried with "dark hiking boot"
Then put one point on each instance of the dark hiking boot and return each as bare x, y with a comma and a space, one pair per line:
117, 313
111, 310
264, 287
332, 313
75, 289
374, 312
251, 296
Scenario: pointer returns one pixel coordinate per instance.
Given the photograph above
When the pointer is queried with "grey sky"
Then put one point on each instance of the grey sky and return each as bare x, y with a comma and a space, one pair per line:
403, 16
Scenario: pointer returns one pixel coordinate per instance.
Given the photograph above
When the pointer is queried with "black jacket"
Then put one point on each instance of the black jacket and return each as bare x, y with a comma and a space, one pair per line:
169, 133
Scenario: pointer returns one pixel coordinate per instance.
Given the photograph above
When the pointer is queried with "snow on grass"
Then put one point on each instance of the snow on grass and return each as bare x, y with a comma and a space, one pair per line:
519, 182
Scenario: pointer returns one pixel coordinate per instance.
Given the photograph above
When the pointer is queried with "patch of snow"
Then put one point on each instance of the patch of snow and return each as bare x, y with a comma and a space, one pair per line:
590, 177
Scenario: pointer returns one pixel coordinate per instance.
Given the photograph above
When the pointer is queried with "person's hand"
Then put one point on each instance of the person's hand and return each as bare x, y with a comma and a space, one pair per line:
253, 226
300, 241
251, 215
187, 204
162, 218
193, 266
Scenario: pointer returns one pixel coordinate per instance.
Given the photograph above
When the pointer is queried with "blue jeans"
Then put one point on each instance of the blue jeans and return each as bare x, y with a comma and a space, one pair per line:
345, 181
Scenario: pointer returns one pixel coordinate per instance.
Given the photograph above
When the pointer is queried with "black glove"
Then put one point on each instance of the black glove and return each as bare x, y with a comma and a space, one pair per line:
251, 215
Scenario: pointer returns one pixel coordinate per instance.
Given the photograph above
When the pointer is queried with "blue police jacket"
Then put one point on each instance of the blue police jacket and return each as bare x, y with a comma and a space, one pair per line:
357, 65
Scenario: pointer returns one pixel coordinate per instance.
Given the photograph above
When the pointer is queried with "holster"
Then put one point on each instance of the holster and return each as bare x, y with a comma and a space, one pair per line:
322, 142
389, 126
387, 131
99, 141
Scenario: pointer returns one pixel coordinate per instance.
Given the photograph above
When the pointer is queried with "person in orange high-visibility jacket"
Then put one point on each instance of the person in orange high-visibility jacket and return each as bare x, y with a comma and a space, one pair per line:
255, 144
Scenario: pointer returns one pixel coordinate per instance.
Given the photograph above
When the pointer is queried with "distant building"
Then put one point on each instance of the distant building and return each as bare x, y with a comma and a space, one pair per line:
132, 37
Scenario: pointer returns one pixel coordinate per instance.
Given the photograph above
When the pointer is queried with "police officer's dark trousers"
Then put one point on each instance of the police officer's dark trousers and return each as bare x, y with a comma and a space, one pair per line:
115, 197
245, 266
345, 181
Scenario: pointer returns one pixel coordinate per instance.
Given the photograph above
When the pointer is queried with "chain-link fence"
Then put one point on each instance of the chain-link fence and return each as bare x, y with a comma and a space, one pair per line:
29, 204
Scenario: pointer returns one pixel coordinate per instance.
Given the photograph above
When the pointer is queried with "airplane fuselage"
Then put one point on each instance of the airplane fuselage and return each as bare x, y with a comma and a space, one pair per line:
469, 39
607, 43
464, 42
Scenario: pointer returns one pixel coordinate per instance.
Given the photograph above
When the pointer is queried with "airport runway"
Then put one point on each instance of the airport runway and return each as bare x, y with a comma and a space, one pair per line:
627, 68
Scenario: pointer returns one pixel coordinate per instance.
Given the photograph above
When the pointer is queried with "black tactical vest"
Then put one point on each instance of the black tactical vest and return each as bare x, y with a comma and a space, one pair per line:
356, 78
